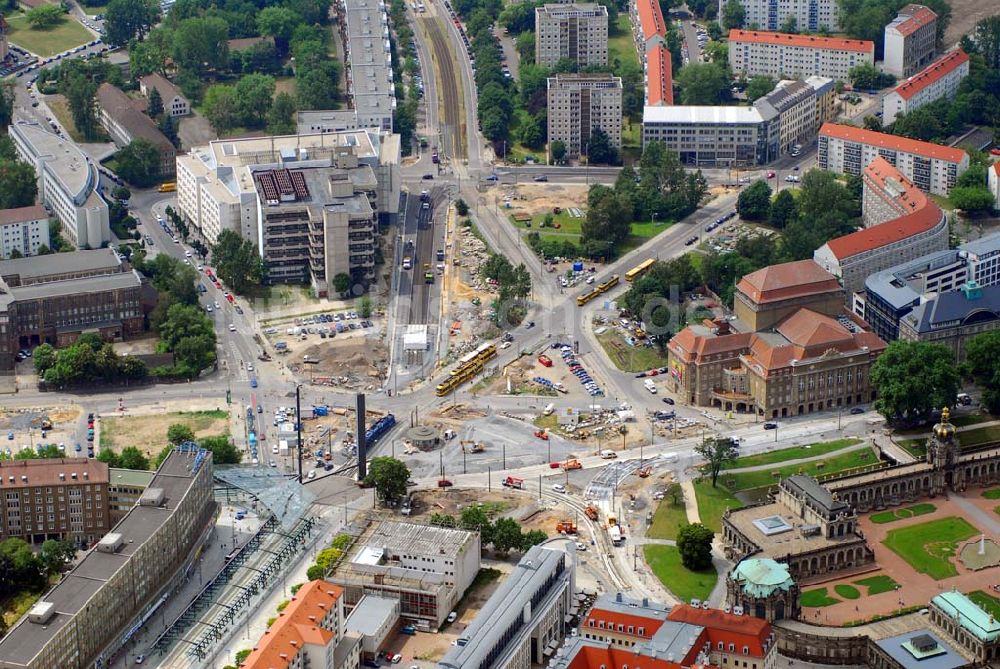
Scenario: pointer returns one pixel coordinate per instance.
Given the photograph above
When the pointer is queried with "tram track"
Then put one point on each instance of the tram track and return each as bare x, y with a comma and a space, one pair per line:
450, 89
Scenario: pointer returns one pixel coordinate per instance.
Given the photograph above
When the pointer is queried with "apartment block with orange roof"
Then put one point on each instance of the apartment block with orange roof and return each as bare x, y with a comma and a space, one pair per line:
787, 55
307, 633
933, 168
910, 40
577, 32
810, 15
938, 80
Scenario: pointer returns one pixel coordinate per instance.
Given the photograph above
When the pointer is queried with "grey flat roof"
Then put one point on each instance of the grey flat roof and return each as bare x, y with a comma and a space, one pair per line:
988, 245
27, 639
60, 263
949, 659
891, 284
370, 614
90, 284
414, 539
703, 115
632, 607
504, 607
673, 640
62, 157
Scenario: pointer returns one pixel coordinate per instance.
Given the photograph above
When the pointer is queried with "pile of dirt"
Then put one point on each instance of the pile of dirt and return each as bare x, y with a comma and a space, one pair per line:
541, 198
352, 362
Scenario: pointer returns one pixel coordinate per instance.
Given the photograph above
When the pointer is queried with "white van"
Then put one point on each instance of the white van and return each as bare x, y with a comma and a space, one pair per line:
608, 455
650, 386
549, 408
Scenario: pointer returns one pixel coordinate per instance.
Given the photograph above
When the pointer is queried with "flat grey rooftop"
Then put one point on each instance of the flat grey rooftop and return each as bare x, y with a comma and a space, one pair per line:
60, 263
899, 648
90, 284
418, 540
62, 157
632, 607
370, 613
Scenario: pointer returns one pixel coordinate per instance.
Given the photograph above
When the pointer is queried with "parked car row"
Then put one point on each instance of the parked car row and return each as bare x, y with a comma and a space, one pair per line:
580, 372
719, 221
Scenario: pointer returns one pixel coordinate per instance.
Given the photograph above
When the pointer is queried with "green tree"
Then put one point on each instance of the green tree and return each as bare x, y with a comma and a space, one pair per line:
703, 84
759, 86
224, 451
81, 92
139, 163
733, 14
389, 476
558, 150
281, 117
789, 25
971, 199
599, 149
342, 283
443, 520
717, 453
912, 379
178, 433
506, 535
18, 184
7, 116
54, 555
987, 41
461, 207
532, 538
754, 201
869, 77
253, 97
474, 518
982, 353
237, 262
694, 543
155, 105
45, 17
364, 306
279, 23
784, 209
221, 108
44, 356
125, 20
108, 457
200, 44
132, 458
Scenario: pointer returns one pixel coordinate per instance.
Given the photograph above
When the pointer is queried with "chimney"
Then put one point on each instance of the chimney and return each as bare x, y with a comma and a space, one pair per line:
618, 597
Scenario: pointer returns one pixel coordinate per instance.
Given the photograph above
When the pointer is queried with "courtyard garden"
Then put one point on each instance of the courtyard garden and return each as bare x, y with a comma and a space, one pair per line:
873, 585
901, 514
929, 547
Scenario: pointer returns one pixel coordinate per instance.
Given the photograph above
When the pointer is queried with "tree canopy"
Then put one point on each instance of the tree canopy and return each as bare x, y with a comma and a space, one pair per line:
717, 453
694, 543
237, 262
754, 202
389, 476
914, 378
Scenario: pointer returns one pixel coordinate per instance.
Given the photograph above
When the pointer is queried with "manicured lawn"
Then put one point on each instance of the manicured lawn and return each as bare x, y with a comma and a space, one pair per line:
915, 447
667, 520
630, 358
816, 598
712, 503
900, 514
878, 584
665, 561
647, 229
794, 453
846, 591
66, 35
982, 435
765, 477
928, 547
992, 494
621, 47
971, 419
986, 602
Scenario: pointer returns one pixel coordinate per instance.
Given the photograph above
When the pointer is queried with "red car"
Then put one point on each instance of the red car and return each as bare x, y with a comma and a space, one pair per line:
229, 297
444, 483
770, 175
554, 465
217, 284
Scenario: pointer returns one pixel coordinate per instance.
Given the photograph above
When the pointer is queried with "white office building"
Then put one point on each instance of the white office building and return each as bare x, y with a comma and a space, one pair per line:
810, 15
576, 32
216, 189
579, 104
23, 230
67, 180
785, 55
910, 41
939, 80
848, 150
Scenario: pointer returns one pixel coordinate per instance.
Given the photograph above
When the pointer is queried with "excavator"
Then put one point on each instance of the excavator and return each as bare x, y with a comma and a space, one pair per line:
472, 446
591, 512
566, 527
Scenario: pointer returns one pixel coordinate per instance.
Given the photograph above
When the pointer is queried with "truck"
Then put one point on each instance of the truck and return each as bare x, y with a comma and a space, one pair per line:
513, 482
591, 512
614, 531
566, 527
168, 187
572, 464
407, 262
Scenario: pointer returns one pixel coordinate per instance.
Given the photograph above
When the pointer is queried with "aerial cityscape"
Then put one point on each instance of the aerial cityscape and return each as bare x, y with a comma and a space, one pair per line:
500, 334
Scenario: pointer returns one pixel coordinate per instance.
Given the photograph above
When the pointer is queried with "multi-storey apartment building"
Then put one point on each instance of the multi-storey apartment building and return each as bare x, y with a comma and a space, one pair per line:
67, 183
910, 40
648, 27
216, 190
810, 15
54, 298
81, 621
904, 223
174, 102
708, 136
23, 230
577, 32
317, 222
933, 168
893, 293
779, 55
309, 632
794, 104
64, 498
939, 80
427, 568
579, 104
364, 28
792, 348
659, 77
524, 618
125, 488
993, 182
119, 115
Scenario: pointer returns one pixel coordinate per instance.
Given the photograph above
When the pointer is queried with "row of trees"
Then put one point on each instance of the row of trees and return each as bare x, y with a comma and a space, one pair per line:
504, 534
89, 360
237, 262
407, 99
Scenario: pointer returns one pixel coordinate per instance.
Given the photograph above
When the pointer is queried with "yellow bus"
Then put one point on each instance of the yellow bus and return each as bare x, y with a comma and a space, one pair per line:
168, 187
639, 270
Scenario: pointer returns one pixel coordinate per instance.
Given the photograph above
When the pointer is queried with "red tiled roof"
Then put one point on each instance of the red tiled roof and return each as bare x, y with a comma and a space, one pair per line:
922, 214
692, 347
589, 656
892, 142
787, 280
651, 19
943, 66
807, 328
808, 41
920, 16
649, 623
295, 626
996, 168
727, 627
659, 77
45, 472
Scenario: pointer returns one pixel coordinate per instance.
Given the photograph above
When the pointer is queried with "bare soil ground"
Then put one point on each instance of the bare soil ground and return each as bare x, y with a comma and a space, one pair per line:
965, 14
136, 346
21, 422
451, 502
350, 363
149, 433
541, 198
